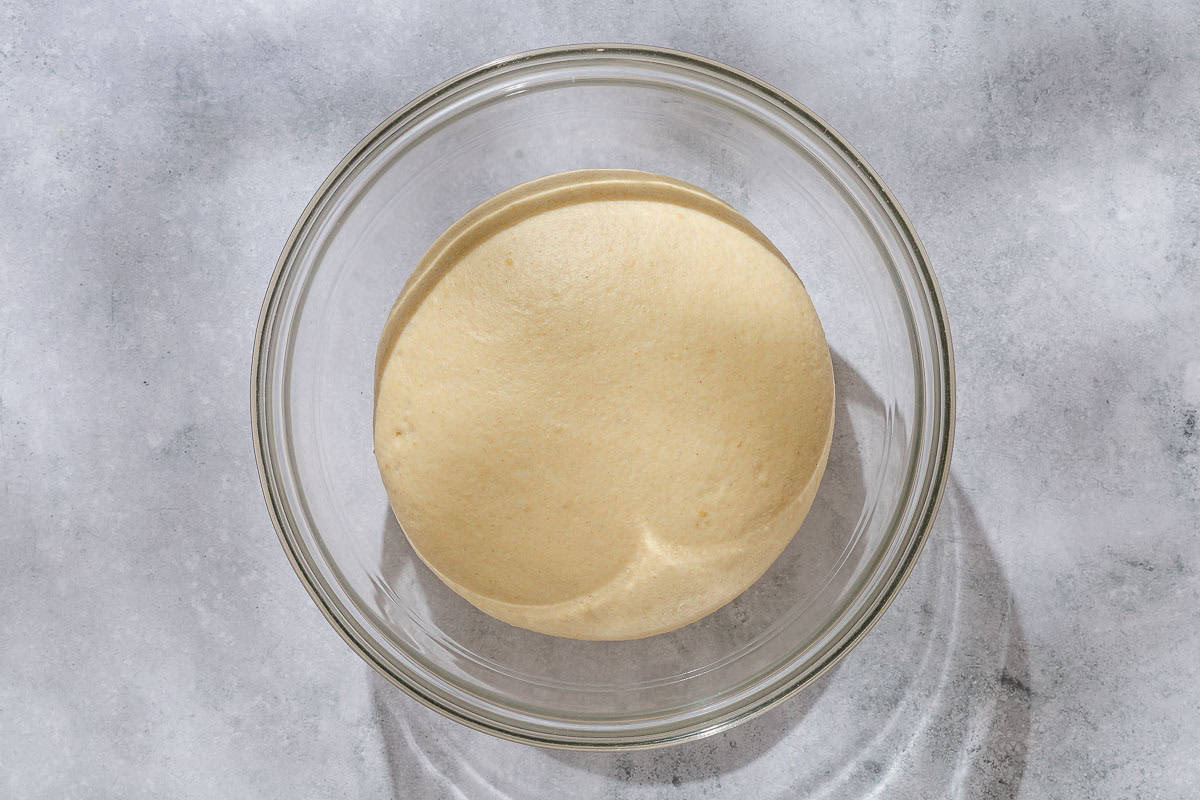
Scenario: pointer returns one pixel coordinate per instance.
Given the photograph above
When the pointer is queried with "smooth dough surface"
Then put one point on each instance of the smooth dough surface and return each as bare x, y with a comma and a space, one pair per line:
603, 404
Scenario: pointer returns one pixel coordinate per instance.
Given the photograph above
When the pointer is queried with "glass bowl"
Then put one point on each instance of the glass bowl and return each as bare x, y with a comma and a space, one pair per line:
560, 109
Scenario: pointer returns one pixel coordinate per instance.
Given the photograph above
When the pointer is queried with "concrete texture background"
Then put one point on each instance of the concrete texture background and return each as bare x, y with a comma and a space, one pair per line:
154, 641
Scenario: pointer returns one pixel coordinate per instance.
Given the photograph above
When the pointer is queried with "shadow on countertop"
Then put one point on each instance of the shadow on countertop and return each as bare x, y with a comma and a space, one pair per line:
948, 717
936, 701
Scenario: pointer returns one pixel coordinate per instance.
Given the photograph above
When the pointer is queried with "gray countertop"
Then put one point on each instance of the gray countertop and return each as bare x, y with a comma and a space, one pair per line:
154, 640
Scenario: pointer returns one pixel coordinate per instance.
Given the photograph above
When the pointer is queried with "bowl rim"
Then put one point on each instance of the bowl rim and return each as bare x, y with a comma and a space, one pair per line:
940, 455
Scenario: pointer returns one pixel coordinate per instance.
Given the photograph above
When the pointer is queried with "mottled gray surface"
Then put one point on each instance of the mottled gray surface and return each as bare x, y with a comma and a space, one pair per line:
154, 641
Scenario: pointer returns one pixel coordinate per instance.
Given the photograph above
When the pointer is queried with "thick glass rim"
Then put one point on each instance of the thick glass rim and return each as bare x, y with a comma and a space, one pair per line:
936, 410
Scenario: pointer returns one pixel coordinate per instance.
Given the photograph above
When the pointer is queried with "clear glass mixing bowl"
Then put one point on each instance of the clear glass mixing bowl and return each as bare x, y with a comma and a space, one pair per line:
568, 108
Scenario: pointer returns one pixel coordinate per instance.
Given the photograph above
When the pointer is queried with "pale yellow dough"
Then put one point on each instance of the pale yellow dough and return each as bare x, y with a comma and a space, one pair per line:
603, 404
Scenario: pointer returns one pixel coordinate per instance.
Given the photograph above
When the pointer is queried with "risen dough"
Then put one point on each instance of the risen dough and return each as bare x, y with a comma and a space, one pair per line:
603, 404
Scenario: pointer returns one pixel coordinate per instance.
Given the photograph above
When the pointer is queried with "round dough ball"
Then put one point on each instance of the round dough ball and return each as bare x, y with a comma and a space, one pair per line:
603, 405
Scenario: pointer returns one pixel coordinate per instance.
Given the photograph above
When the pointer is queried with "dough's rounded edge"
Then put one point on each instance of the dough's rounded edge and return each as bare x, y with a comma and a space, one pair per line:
577, 618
